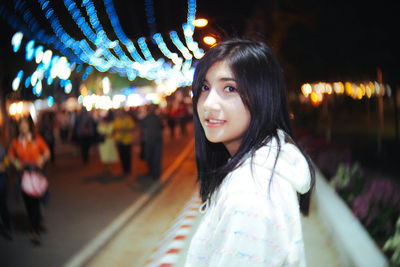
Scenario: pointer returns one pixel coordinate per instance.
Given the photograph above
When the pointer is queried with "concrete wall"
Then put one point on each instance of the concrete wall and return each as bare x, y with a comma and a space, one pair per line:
355, 246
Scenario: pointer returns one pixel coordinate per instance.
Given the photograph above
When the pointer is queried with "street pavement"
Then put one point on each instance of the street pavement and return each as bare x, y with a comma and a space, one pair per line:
83, 202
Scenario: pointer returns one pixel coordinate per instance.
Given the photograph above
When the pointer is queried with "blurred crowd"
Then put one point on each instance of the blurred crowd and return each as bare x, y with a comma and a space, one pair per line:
28, 147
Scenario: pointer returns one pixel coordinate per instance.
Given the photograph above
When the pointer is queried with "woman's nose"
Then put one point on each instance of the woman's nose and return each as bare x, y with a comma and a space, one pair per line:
212, 100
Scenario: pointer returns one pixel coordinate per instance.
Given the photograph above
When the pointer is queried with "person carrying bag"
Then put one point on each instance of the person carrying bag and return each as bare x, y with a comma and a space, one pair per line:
29, 152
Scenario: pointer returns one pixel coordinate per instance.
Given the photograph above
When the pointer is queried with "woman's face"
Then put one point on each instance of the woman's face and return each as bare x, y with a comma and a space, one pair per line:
24, 126
222, 113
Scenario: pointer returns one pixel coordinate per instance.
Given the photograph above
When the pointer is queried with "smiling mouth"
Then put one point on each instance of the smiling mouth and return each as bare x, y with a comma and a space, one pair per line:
214, 123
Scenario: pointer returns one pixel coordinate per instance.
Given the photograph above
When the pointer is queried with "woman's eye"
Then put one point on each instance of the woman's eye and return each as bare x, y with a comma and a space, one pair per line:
204, 88
230, 89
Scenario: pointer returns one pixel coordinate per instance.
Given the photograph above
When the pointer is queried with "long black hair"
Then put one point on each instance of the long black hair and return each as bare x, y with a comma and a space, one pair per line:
260, 83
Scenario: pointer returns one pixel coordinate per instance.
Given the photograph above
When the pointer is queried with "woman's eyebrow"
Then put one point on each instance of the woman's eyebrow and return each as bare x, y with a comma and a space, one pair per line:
227, 79
223, 79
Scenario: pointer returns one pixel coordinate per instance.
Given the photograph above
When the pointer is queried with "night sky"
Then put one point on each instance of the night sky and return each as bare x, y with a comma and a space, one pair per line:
314, 40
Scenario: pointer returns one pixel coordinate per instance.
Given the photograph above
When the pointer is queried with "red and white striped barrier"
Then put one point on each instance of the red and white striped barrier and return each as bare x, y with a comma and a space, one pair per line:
175, 240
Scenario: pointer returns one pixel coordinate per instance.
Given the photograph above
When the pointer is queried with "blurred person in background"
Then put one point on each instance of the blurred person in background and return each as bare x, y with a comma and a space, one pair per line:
151, 126
107, 149
64, 125
85, 130
46, 130
182, 117
142, 112
171, 120
123, 127
29, 149
4, 212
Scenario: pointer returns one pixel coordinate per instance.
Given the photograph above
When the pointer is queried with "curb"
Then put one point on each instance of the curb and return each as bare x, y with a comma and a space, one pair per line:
353, 243
176, 239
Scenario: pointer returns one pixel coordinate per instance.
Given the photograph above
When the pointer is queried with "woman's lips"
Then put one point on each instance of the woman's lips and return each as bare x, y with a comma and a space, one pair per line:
214, 122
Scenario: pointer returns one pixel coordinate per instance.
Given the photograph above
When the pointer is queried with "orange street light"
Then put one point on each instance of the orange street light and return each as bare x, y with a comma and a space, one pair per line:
200, 23
209, 40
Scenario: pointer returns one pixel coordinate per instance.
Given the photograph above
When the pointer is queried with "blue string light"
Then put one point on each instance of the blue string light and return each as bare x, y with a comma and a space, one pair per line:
162, 46
31, 32
108, 54
50, 101
191, 12
27, 81
16, 41
112, 15
145, 49
30, 50
149, 4
151, 20
20, 74
182, 48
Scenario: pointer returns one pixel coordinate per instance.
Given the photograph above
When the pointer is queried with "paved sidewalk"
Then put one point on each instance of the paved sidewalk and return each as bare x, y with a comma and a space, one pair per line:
134, 244
317, 241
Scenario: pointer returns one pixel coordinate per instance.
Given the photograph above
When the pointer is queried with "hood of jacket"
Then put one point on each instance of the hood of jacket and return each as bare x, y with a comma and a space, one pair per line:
291, 164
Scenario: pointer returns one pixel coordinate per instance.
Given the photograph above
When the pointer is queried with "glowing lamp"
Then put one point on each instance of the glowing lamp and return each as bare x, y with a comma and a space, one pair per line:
209, 40
200, 23
315, 98
306, 89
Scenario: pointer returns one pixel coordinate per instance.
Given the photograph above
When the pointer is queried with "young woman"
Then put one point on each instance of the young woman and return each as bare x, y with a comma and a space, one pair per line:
28, 149
252, 175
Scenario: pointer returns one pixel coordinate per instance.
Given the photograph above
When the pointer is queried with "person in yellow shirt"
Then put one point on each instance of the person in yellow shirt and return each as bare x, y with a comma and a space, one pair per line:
123, 127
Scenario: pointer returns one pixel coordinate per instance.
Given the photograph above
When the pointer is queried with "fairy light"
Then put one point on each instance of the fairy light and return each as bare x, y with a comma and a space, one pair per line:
106, 85
29, 48
15, 83
151, 20
145, 49
68, 87
107, 55
110, 10
27, 81
177, 42
356, 91
162, 46
37, 89
50, 101
39, 54
16, 41
191, 11
34, 27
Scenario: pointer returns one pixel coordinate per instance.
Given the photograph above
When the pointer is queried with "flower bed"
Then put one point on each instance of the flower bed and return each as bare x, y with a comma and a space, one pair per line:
372, 196
374, 200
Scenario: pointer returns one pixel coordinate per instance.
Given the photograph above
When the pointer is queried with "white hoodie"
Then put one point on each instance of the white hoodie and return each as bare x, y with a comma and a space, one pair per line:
251, 220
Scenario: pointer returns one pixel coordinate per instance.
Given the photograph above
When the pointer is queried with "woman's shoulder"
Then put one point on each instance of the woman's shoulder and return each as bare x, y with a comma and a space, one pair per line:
287, 162
284, 164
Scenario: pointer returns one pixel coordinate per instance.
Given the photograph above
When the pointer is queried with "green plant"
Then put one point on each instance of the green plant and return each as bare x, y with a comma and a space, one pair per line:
393, 245
348, 181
